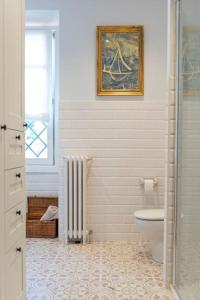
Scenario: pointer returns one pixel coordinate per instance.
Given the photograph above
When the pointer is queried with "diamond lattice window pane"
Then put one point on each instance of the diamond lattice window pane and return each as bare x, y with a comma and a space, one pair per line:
30, 135
38, 127
44, 154
29, 154
43, 136
38, 147
36, 140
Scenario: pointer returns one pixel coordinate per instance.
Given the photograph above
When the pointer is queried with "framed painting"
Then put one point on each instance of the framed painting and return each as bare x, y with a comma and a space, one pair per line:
191, 62
120, 60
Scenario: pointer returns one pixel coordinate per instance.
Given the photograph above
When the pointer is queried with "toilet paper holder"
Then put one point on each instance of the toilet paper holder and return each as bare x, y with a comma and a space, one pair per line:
155, 180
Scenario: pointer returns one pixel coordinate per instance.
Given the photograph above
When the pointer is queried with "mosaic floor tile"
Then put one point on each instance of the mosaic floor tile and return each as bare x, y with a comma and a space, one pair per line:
97, 271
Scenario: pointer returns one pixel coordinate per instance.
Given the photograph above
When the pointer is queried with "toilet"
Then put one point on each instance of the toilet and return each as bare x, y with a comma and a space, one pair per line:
150, 223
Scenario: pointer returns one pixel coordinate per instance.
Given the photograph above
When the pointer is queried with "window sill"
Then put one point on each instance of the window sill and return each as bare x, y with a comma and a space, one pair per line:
41, 169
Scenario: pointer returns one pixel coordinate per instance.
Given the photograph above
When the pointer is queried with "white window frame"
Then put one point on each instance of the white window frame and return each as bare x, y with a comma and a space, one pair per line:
50, 164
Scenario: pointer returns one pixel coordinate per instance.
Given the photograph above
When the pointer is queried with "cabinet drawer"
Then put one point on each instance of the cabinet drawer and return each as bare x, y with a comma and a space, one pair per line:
14, 149
14, 187
14, 281
15, 225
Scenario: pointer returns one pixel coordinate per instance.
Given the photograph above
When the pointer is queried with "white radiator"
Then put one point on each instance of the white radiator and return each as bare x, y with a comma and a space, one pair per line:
75, 177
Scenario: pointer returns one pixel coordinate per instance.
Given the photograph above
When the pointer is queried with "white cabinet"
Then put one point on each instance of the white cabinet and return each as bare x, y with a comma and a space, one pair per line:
15, 220
1, 157
14, 149
14, 187
14, 275
14, 63
12, 199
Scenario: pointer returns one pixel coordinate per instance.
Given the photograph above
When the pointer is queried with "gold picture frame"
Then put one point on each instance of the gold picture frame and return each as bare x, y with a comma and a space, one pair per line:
120, 60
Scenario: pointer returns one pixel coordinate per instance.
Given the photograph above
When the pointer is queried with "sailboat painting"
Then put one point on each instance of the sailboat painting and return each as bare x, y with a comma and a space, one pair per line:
120, 60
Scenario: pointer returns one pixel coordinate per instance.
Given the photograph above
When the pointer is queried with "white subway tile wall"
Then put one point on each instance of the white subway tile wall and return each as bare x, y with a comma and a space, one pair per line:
170, 192
42, 184
126, 142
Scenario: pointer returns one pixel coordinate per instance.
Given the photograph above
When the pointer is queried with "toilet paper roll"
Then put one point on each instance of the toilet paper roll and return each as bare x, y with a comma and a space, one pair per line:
148, 186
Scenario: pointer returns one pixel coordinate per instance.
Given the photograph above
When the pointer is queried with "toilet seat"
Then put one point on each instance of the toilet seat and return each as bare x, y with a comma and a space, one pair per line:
150, 214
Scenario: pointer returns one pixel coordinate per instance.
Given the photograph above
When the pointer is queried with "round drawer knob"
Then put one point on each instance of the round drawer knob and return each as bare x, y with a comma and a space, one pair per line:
18, 212
19, 249
18, 137
25, 125
18, 175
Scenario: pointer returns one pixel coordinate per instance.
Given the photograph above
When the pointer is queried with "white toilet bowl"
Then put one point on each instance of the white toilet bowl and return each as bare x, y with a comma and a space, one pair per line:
150, 223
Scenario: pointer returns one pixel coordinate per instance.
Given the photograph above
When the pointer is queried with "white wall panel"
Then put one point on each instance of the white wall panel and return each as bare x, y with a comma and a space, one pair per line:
41, 184
120, 157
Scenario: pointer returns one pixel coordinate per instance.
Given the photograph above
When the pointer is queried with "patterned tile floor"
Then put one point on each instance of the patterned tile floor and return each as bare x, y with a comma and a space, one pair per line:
97, 271
188, 265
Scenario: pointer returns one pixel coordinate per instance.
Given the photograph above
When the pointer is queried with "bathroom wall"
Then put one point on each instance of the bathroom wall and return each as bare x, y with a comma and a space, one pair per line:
123, 135
42, 183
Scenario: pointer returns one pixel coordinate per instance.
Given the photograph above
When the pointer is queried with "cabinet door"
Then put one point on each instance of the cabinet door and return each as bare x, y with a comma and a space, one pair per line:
14, 63
1, 155
14, 187
15, 285
15, 220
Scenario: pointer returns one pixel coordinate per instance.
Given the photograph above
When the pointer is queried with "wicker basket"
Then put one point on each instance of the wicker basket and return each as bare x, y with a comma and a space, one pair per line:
34, 227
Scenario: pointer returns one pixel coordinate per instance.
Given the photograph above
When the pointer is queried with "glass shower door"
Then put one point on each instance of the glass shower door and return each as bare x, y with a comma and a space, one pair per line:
187, 235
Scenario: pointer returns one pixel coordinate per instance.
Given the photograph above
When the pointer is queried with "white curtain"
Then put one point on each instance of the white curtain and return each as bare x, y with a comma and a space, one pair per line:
38, 74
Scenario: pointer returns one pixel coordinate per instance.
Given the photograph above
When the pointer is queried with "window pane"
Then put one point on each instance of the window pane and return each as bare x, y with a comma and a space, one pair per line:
38, 127
36, 93
29, 154
44, 154
39, 91
36, 139
35, 48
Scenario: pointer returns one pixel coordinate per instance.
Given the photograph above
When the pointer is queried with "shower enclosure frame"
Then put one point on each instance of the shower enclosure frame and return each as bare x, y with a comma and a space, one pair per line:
177, 98
182, 19
169, 238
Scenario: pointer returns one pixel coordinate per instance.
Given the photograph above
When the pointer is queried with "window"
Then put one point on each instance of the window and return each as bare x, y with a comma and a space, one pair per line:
39, 96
